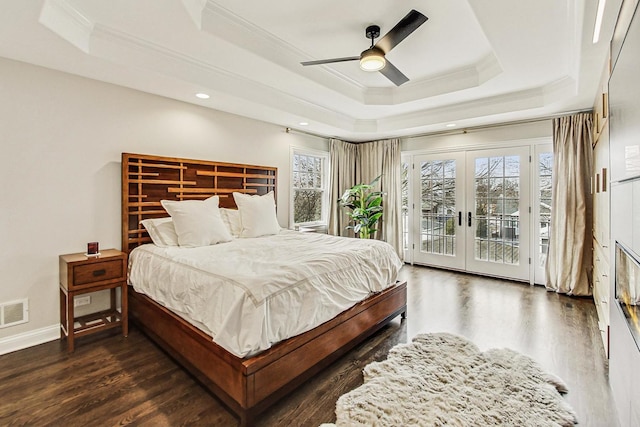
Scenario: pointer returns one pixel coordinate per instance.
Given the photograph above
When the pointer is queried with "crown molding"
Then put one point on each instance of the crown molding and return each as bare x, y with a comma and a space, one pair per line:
68, 22
463, 78
507, 103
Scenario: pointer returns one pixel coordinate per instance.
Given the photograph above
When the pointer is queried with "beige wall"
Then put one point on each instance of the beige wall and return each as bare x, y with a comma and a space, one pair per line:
61, 139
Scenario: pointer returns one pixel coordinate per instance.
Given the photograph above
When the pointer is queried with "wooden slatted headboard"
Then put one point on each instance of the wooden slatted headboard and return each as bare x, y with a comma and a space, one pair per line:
146, 180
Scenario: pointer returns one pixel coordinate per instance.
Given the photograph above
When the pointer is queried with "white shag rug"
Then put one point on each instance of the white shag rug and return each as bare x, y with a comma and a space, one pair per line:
445, 380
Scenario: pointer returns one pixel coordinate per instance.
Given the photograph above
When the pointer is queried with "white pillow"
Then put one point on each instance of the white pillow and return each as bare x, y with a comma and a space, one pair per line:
161, 231
231, 218
197, 222
257, 214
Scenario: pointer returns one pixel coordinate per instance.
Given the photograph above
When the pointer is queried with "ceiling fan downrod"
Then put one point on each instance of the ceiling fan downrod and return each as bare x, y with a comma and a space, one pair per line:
372, 32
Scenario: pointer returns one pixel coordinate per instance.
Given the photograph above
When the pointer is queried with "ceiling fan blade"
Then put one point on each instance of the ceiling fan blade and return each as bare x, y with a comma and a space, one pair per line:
401, 31
330, 61
392, 73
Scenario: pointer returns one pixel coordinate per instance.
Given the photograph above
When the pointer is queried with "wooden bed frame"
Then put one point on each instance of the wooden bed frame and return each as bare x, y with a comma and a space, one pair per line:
246, 385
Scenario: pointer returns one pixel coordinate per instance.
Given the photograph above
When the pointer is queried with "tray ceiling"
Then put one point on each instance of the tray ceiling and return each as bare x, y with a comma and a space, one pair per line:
474, 62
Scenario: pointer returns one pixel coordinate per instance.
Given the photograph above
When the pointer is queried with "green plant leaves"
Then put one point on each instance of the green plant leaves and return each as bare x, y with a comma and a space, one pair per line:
365, 205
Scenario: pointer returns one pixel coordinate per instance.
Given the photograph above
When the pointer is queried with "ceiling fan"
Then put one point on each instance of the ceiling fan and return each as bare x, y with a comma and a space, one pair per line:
373, 59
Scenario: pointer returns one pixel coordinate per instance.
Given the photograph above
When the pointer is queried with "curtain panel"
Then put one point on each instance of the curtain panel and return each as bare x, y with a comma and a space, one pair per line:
569, 261
343, 156
353, 164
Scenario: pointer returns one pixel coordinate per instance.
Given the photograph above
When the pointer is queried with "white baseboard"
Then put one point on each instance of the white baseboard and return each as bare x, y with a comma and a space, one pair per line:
29, 339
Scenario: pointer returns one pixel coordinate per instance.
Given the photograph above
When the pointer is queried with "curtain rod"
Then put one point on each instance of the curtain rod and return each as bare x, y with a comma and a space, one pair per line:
304, 132
499, 125
452, 131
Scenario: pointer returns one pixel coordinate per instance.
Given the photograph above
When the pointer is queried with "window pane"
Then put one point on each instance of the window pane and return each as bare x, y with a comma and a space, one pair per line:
496, 166
546, 164
450, 168
437, 170
497, 187
545, 169
512, 166
512, 187
482, 168
307, 206
545, 187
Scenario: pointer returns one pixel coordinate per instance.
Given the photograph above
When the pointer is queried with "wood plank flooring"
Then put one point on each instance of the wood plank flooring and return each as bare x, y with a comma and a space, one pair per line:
111, 380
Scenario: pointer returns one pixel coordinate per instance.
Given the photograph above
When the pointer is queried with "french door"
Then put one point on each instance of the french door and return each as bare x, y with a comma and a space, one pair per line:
438, 213
473, 211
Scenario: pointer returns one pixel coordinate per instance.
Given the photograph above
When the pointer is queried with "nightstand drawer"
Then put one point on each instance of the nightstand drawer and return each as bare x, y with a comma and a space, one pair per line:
77, 271
98, 272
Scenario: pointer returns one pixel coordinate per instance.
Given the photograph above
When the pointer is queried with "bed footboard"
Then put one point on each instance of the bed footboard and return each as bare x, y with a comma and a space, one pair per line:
248, 386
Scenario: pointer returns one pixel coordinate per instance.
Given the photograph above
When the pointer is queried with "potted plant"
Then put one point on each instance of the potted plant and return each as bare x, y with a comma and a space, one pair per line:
365, 207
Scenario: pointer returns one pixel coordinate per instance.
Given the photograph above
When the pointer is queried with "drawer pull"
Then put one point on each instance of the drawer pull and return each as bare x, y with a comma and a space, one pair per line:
98, 273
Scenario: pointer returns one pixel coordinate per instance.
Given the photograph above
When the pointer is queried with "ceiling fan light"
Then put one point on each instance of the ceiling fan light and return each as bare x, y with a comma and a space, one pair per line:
372, 60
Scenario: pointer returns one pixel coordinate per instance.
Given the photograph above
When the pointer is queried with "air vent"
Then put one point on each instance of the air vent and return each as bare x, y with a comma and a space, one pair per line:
14, 313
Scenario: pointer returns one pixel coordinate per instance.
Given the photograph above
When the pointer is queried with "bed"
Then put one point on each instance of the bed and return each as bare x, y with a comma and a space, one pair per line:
246, 375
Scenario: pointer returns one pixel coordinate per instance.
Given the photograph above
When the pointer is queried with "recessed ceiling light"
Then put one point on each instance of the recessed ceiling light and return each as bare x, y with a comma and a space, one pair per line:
202, 95
304, 123
451, 125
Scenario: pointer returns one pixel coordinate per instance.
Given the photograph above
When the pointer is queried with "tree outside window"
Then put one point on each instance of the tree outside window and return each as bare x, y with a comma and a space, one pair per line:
405, 205
309, 184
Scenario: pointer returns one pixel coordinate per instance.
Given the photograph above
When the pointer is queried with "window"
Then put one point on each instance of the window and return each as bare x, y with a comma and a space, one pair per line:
542, 208
405, 205
309, 187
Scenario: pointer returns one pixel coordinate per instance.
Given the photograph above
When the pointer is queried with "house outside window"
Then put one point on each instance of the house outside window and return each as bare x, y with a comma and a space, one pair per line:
309, 188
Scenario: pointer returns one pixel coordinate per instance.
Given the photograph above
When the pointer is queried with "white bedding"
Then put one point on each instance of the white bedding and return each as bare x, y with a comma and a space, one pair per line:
251, 293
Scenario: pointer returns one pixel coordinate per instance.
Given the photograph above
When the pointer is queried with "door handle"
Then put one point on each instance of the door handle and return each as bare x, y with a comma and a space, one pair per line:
469, 219
460, 218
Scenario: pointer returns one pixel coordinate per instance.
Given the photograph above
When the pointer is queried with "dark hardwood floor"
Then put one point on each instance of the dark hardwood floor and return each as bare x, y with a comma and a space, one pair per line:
111, 380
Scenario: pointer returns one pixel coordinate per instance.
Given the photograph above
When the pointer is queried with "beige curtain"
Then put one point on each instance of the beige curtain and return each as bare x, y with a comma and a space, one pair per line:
353, 164
343, 156
383, 158
569, 261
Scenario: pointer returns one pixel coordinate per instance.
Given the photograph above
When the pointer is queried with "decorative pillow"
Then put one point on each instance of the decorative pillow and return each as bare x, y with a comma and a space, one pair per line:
197, 222
161, 231
231, 218
257, 214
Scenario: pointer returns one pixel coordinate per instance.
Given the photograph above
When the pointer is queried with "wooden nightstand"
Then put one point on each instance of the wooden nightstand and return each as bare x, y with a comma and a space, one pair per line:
80, 274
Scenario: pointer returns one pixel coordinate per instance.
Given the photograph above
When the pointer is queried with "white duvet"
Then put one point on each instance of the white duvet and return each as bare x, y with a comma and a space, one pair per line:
251, 293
